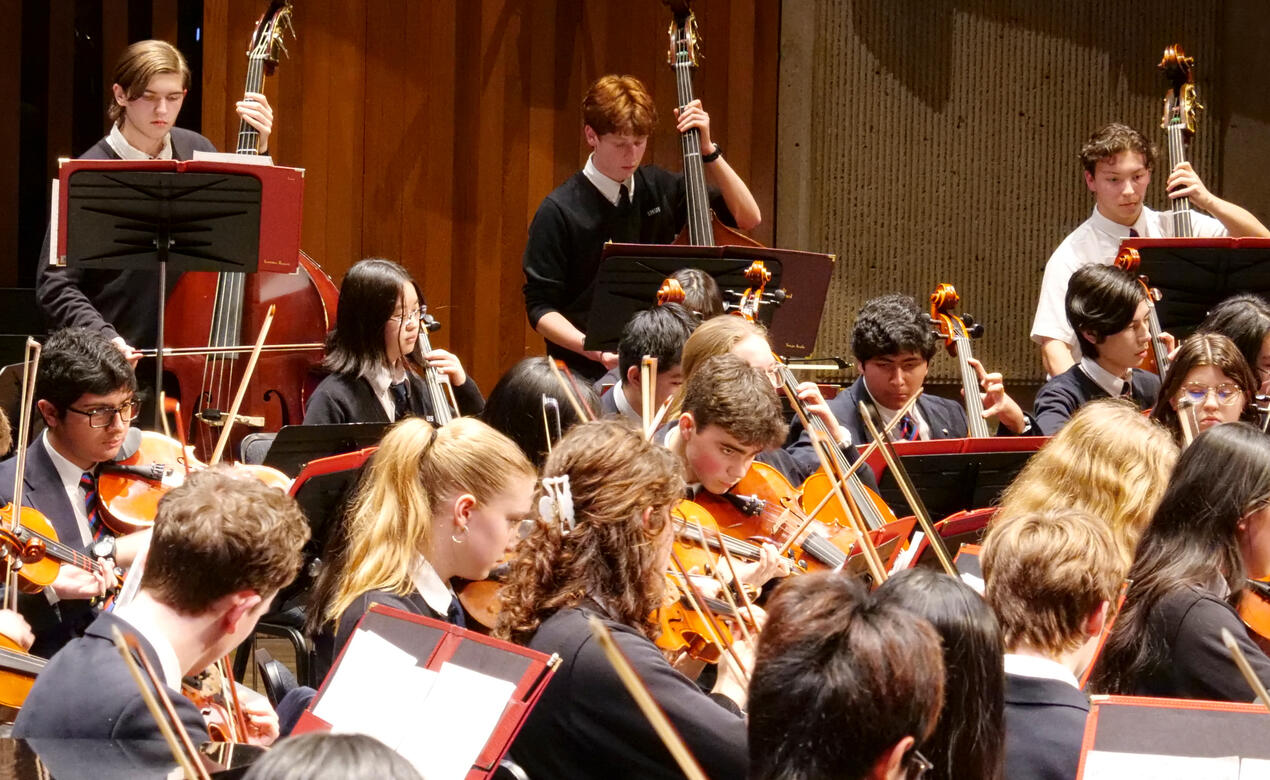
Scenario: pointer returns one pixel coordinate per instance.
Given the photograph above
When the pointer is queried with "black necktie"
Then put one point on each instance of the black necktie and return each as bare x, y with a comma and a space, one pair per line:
1133, 233
454, 614
400, 399
623, 198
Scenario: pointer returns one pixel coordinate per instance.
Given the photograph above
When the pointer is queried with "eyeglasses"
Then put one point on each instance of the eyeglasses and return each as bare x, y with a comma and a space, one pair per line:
1197, 393
918, 765
416, 315
102, 418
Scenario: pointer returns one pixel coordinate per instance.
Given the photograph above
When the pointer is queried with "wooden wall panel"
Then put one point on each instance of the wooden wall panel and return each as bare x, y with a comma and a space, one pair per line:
430, 132
943, 136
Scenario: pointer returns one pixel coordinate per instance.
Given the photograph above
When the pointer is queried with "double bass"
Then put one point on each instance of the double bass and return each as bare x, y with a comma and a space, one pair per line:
205, 344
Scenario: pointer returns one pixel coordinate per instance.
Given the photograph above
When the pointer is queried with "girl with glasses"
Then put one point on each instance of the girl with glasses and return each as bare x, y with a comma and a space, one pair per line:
1211, 377
375, 355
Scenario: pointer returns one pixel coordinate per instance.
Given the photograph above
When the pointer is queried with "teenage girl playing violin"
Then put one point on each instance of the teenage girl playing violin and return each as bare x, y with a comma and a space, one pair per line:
607, 558
1209, 373
86, 394
374, 353
434, 504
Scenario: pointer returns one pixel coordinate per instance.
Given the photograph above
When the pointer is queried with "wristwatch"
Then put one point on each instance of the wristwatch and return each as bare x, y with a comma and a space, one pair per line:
712, 156
104, 547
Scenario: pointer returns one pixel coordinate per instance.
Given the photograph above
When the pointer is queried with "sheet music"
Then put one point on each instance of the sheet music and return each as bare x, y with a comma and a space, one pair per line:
231, 157
356, 698
461, 712
1108, 765
1254, 769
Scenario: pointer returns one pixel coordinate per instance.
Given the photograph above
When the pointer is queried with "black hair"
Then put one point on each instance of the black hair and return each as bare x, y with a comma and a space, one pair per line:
1101, 299
322, 755
515, 406
1245, 320
840, 678
969, 739
368, 298
889, 325
77, 361
659, 332
702, 295
1193, 540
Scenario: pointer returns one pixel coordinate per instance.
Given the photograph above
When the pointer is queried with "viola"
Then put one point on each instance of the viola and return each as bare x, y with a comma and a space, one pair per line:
763, 506
18, 670
213, 692
956, 332
1254, 609
704, 226
684, 629
216, 309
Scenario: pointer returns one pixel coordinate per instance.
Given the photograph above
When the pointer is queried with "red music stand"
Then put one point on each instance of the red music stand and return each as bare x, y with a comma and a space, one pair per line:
962, 528
435, 642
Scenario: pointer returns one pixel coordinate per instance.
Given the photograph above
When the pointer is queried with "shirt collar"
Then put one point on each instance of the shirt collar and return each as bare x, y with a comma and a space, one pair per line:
889, 414
127, 151
610, 189
67, 472
1118, 231
1113, 385
1043, 668
169, 664
436, 593
623, 406
379, 378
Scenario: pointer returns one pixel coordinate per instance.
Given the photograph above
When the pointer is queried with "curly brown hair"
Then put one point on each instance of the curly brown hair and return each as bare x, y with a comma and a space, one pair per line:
611, 554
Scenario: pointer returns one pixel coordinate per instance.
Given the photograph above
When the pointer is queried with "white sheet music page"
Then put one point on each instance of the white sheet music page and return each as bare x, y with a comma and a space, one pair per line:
1109, 765
457, 718
360, 696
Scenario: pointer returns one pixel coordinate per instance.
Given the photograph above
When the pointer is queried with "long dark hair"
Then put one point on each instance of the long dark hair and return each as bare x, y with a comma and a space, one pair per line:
968, 740
1245, 320
1193, 540
514, 406
368, 297
1205, 349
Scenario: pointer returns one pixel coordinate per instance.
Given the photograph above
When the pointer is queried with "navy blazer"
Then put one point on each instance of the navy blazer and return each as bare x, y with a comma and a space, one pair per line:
87, 692
53, 624
1044, 728
946, 418
349, 398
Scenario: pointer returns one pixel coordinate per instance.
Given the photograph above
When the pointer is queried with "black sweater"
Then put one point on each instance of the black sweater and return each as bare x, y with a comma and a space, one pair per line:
567, 237
113, 303
1060, 397
345, 398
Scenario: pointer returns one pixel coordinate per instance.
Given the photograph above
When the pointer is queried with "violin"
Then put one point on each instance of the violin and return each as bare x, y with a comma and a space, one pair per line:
1254, 610
956, 333
213, 692
684, 629
704, 226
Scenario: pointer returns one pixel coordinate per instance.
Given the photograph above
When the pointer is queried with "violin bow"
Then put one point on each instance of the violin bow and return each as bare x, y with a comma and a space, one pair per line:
647, 705
1245, 668
876, 568
551, 405
160, 706
242, 388
574, 400
698, 603
647, 390
740, 588
30, 369
906, 487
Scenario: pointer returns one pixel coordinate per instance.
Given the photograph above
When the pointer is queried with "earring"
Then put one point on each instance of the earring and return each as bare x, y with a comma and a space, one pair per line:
462, 538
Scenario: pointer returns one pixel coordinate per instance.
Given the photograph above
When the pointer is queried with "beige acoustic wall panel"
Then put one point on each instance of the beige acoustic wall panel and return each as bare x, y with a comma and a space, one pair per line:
927, 141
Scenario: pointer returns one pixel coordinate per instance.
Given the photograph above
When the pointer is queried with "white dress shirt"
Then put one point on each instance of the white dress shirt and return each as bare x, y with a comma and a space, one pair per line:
169, 664
380, 379
610, 189
1042, 668
436, 593
624, 406
1115, 386
923, 429
127, 151
1097, 240
70, 474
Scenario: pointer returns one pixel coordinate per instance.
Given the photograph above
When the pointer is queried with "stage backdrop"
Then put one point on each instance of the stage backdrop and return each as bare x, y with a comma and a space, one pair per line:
430, 131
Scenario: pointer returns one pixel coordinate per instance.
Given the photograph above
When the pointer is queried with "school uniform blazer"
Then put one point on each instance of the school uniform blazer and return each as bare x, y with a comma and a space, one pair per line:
586, 725
608, 403
946, 418
1060, 397
329, 643
1044, 728
348, 398
113, 303
86, 692
53, 624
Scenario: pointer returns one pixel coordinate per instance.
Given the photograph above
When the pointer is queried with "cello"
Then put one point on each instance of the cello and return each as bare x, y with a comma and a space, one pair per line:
206, 341
956, 332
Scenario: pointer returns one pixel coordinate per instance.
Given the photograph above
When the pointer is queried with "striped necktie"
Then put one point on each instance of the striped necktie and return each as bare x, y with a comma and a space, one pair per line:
88, 484
908, 429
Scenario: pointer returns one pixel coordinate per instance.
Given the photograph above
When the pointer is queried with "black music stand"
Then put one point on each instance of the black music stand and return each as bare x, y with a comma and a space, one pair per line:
952, 482
1195, 274
631, 274
142, 219
296, 445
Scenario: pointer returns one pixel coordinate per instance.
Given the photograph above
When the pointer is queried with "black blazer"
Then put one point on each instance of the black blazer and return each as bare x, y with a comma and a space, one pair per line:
1189, 620
1060, 397
587, 726
347, 398
1044, 728
53, 624
114, 303
328, 644
86, 692
946, 418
